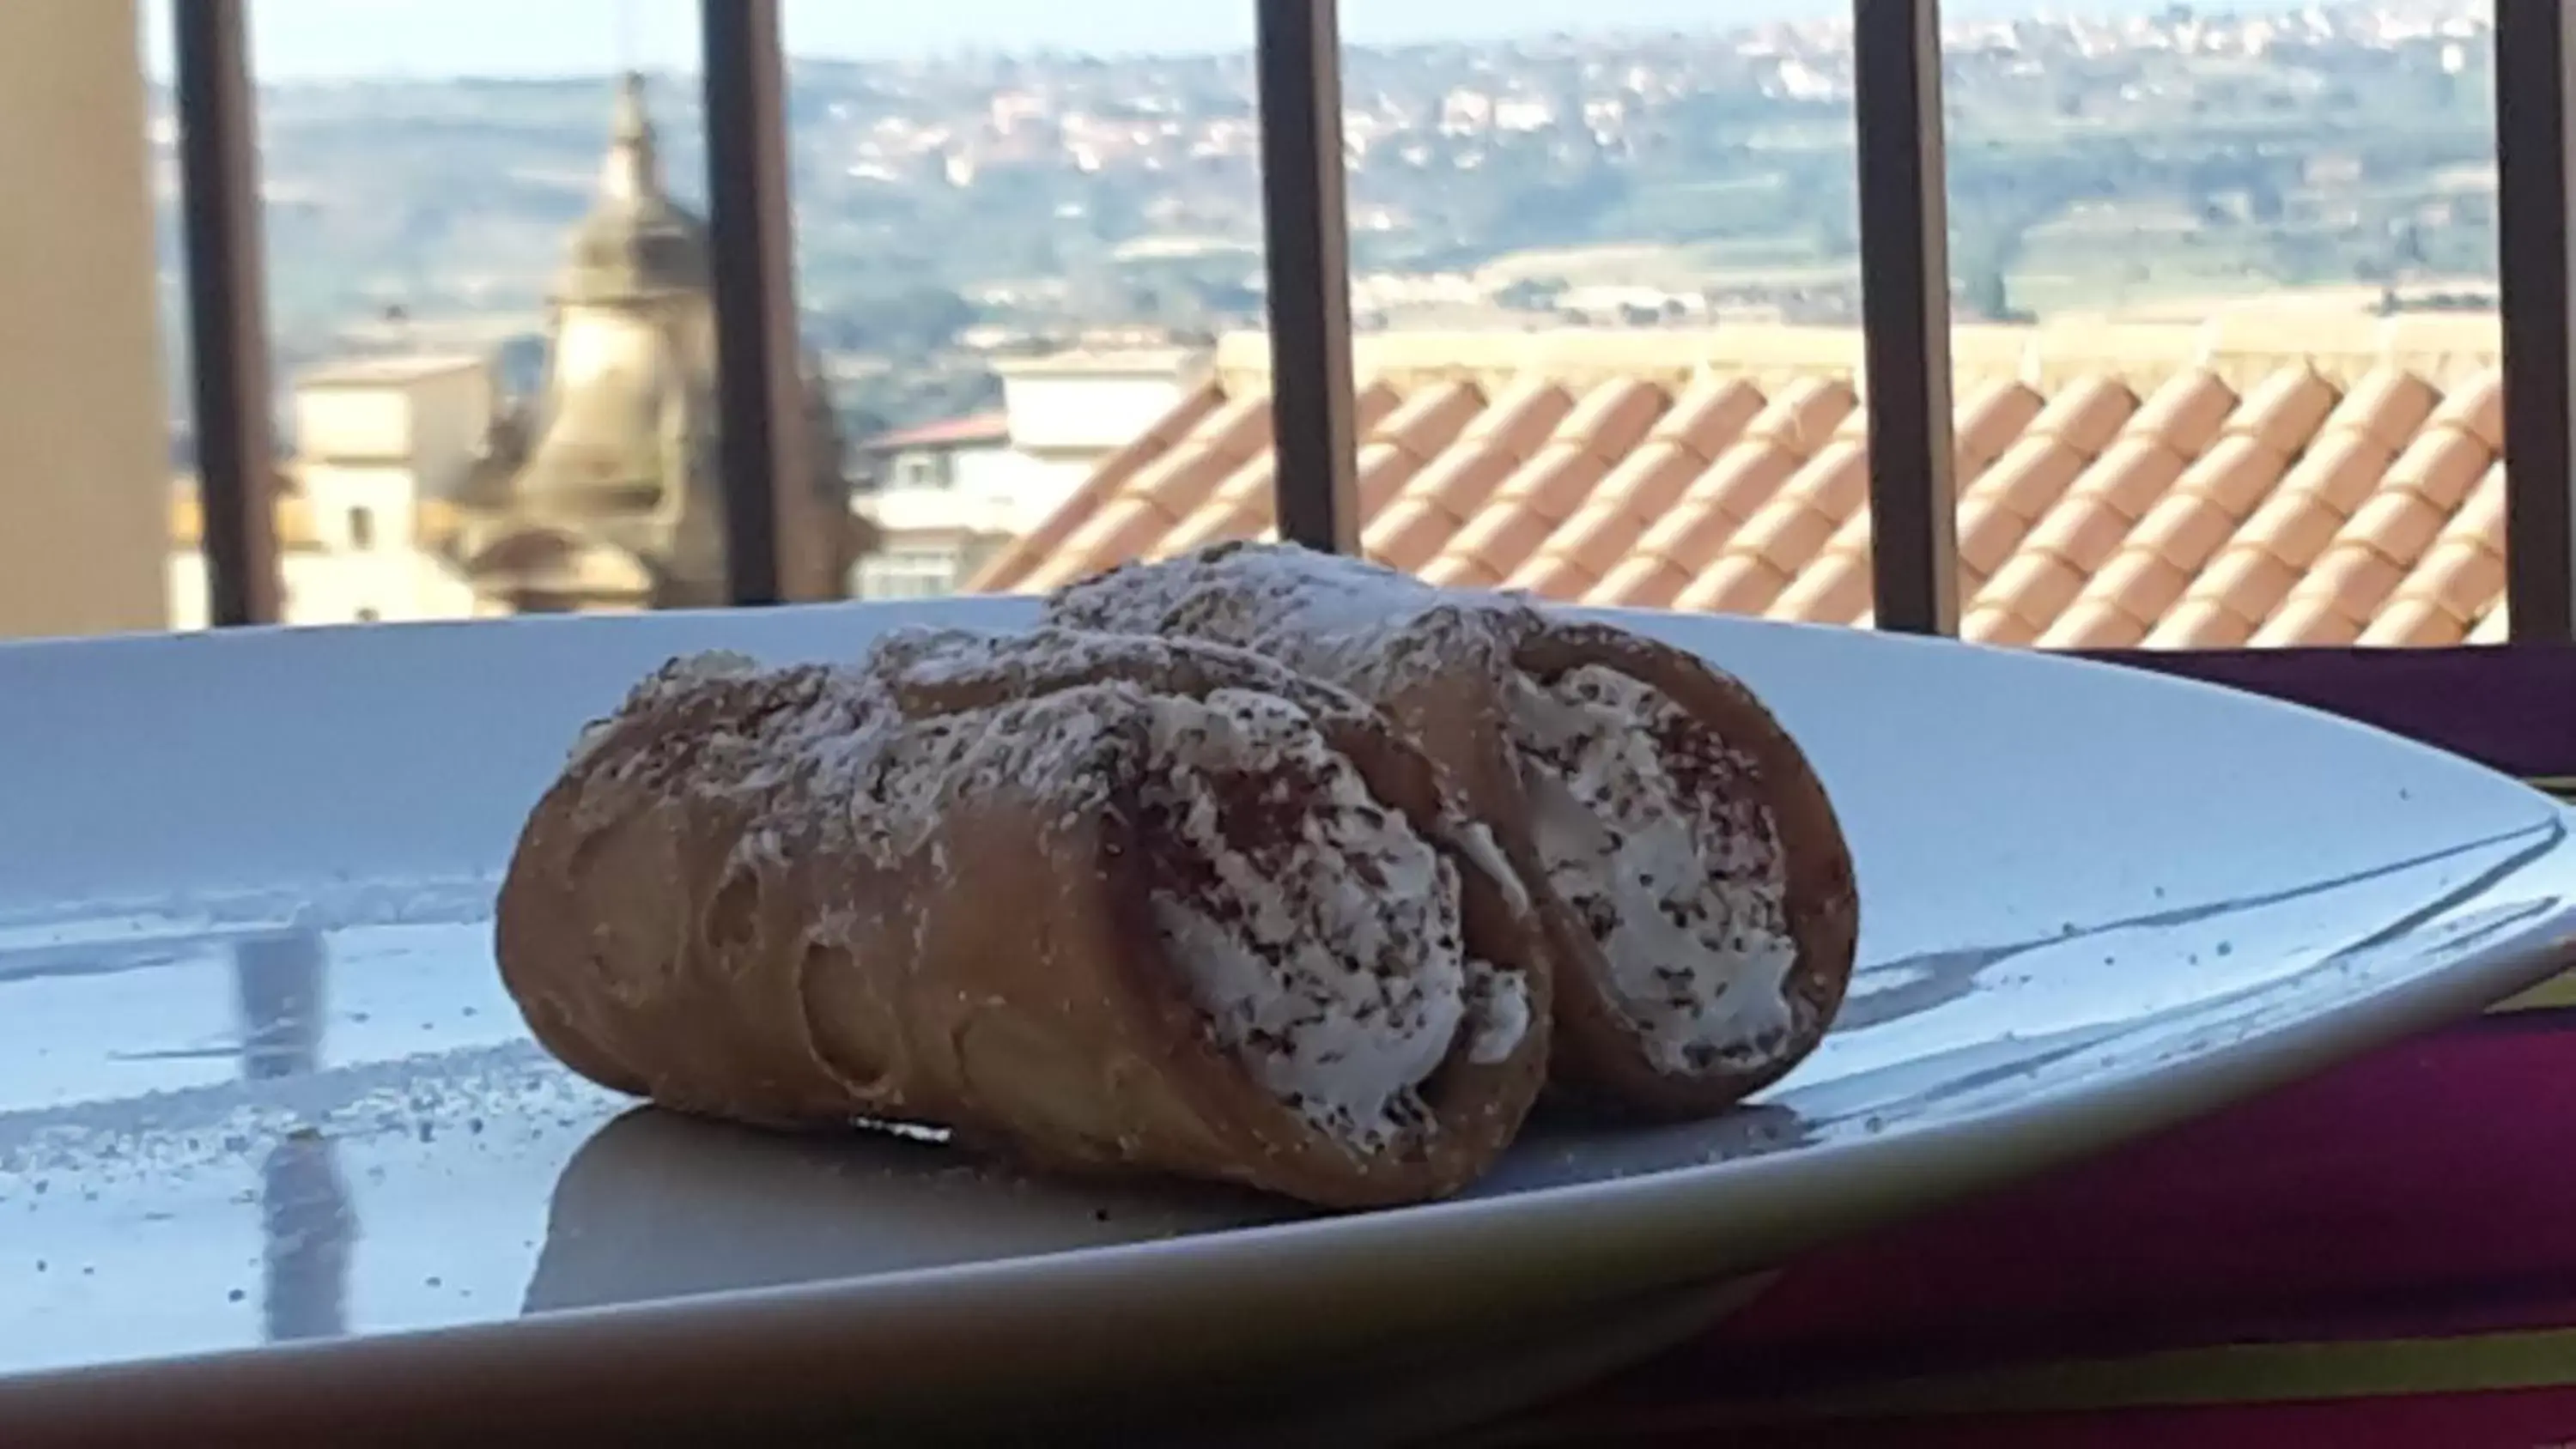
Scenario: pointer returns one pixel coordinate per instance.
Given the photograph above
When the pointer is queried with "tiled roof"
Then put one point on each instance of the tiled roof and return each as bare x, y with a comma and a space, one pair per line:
985, 427
2305, 480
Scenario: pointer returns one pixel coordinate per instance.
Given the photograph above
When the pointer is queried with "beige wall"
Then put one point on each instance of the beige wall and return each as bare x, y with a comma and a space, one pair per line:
84, 450
432, 415
326, 586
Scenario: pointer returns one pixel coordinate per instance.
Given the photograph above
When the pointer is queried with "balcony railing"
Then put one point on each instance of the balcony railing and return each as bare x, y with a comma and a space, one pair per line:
1905, 281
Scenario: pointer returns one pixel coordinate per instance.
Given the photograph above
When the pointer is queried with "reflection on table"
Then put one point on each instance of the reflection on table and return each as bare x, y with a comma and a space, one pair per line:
306, 1220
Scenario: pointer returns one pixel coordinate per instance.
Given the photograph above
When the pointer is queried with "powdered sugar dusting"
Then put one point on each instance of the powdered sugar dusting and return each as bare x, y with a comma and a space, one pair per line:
1677, 871
1322, 933
1361, 625
827, 754
940, 663
962, 662
676, 675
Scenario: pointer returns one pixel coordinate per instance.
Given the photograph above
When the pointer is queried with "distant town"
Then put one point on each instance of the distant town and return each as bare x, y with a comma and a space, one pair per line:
956, 215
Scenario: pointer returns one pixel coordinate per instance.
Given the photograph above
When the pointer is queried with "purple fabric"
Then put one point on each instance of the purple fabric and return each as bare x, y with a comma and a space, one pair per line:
2529, 1419
2429, 1189
2509, 707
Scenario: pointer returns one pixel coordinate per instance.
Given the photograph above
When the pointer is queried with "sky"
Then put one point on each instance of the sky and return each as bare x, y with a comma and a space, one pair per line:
331, 39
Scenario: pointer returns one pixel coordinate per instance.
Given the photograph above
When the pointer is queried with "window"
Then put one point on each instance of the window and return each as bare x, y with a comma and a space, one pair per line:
922, 470
362, 528
908, 573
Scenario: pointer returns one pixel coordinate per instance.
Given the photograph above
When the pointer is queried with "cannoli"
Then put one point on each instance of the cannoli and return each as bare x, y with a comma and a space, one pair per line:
1696, 889
1097, 903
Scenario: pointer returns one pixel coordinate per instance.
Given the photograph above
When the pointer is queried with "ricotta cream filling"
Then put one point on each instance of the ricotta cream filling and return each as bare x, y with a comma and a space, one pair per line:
1321, 933
1676, 873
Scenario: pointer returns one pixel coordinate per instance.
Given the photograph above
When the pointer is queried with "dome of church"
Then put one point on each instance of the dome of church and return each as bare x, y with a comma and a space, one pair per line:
617, 456
637, 242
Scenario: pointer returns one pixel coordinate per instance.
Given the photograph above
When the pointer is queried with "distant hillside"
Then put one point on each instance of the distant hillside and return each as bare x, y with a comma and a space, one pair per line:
947, 208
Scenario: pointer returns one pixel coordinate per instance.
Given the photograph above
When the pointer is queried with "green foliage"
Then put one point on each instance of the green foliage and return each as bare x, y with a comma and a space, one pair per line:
905, 320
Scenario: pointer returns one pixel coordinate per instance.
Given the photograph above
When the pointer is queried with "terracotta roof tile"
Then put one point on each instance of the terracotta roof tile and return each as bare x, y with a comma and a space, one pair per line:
1994, 415
991, 426
1790, 529
2189, 521
1241, 504
1836, 588
1436, 501
1518, 520
1699, 425
2299, 516
1006, 569
2087, 524
2457, 584
2169, 493
1676, 547
1150, 502
1997, 511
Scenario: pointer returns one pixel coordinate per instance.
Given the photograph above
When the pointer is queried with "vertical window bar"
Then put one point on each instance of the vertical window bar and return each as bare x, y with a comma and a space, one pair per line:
1905, 313
2534, 151
751, 224
227, 309
1312, 402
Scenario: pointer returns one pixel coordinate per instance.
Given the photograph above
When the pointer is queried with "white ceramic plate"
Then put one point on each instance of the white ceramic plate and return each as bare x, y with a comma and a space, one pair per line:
275, 1156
